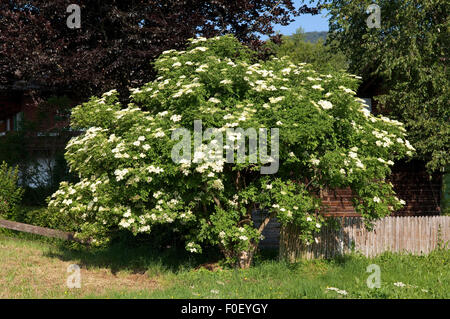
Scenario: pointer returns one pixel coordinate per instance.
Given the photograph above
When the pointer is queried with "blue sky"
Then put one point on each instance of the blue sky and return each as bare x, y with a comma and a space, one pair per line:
306, 21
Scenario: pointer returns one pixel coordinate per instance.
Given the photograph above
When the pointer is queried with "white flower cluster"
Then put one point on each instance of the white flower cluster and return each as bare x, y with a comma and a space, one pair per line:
339, 291
121, 173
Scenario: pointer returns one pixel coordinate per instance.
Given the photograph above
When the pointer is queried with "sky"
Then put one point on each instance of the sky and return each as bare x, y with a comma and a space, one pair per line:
308, 22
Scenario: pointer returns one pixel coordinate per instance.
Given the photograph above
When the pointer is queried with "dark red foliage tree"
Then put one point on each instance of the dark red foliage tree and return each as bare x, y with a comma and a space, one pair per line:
118, 39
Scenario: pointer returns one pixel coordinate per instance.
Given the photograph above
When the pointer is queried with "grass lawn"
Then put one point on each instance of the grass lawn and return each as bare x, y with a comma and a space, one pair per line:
33, 268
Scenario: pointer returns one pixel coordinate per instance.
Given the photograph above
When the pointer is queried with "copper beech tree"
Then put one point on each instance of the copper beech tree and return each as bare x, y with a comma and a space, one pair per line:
117, 40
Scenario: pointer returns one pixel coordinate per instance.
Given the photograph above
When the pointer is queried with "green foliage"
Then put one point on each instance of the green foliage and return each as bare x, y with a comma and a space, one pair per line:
409, 55
129, 180
300, 50
10, 193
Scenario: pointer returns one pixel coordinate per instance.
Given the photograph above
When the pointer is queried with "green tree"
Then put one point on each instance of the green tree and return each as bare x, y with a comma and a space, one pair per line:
131, 180
409, 55
319, 54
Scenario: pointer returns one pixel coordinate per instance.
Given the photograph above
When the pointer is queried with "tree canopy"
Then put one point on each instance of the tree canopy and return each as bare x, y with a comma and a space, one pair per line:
135, 176
118, 39
409, 57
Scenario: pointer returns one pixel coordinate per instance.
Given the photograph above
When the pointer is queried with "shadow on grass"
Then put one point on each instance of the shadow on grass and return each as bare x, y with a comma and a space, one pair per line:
137, 259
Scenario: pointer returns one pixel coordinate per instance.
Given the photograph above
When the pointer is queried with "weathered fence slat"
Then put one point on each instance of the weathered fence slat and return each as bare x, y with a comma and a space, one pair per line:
47, 232
417, 235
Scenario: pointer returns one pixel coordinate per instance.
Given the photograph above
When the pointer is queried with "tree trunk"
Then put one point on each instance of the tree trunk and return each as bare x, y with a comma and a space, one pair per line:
245, 258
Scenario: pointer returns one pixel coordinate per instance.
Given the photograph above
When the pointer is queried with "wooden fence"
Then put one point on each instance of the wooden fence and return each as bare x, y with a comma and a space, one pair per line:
418, 235
47, 232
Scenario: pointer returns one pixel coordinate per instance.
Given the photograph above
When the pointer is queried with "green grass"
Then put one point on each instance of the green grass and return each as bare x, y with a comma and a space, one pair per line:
32, 268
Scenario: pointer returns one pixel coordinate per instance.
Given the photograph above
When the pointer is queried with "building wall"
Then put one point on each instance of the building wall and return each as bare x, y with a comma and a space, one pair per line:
411, 183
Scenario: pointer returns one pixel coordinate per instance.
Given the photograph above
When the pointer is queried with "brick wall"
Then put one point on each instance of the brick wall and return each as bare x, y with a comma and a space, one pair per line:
411, 183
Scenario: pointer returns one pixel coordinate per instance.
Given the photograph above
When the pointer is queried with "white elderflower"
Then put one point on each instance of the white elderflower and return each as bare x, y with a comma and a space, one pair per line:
346, 90
360, 164
203, 49
318, 87
325, 104
217, 184
159, 134
175, 118
353, 155
274, 100
339, 291
124, 223
127, 214
214, 100
120, 174
110, 93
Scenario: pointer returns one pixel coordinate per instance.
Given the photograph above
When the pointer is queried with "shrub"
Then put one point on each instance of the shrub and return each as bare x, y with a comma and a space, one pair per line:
131, 177
10, 193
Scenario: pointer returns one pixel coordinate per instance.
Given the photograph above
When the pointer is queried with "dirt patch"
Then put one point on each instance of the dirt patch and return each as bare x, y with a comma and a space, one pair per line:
25, 272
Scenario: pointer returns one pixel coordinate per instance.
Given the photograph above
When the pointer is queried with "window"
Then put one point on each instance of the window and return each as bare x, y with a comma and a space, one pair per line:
18, 118
368, 103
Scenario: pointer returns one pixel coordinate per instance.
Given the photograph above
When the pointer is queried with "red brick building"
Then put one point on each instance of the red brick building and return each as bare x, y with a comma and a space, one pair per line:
47, 136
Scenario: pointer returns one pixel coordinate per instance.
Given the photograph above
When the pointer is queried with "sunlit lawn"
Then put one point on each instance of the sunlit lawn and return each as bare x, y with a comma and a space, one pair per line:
32, 268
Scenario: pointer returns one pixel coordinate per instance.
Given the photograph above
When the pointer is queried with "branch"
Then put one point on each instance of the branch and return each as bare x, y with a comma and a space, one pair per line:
216, 200
265, 222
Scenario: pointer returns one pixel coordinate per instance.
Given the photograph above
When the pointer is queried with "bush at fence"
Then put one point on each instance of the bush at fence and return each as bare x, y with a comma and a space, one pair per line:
10, 193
